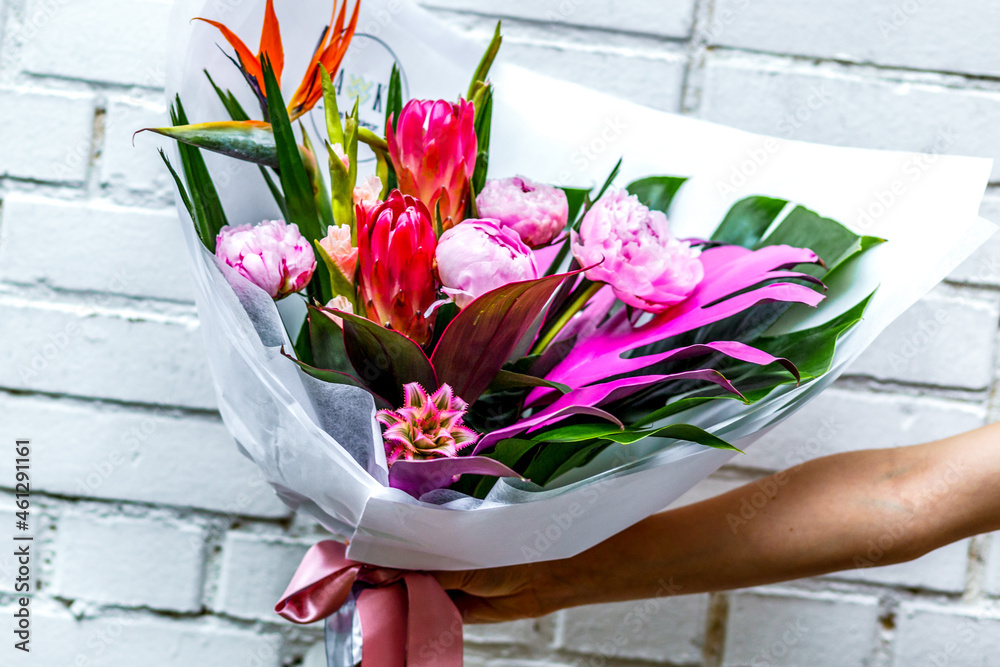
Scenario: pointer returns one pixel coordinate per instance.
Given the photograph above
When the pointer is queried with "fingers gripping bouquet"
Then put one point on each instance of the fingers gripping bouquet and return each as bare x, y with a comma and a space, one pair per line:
500, 328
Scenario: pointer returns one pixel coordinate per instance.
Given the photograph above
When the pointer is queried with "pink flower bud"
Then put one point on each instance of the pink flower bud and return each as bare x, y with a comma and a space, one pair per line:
536, 212
478, 256
272, 255
636, 254
343, 305
337, 246
367, 194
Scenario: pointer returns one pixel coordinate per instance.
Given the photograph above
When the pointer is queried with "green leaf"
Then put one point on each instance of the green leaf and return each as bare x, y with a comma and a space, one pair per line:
484, 121
394, 98
340, 283
748, 220
236, 112
326, 340
832, 241
576, 198
246, 140
589, 201
628, 436
483, 70
552, 461
295, 182
811, 350
656, 192
335, 377
505, 380
385, 360
481, 338
209, 216
181, 189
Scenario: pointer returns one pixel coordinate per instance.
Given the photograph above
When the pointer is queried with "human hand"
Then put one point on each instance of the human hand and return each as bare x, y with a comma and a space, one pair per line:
503, 594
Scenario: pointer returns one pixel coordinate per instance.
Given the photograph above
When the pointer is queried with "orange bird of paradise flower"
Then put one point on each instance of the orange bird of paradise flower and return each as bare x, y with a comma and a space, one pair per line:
333, 43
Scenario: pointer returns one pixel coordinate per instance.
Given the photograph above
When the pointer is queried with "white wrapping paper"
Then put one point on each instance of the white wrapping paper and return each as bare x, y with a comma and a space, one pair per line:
319, 446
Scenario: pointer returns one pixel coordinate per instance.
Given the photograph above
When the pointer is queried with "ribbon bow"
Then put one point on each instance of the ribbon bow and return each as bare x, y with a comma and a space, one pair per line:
407, 620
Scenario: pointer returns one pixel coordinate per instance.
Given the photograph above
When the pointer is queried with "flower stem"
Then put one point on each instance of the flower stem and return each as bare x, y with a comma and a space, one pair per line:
564, 319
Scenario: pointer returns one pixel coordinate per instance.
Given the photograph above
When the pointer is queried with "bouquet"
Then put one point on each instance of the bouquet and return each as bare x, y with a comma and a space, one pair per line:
425, 345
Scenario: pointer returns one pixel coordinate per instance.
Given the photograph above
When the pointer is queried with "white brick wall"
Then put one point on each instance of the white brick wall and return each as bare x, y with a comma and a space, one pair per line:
160, 545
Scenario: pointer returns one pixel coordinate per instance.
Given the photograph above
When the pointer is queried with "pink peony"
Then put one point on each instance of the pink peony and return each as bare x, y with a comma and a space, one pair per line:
337, 245
433, 150
636, 254
272, 255
537, 212
396, 246
478, 256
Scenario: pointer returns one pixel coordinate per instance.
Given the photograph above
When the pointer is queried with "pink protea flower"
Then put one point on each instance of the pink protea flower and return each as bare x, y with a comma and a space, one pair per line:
535, 211
636, 254
479, 256
426, 427
433, 150
337, 246
396, 245
272, 255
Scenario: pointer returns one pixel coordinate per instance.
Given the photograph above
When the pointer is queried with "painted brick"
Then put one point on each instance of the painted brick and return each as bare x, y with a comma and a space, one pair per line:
76, 233
58, 640
152, 457
833, 105
660, 629
654, 80
841, 420
127, 561
993, 573
943, 570
101, 40
268, 562
929, 634
650, 17
917, 34
945, 339
46, 135
69, 349
526, 632
788, 630
134, 166
983, 267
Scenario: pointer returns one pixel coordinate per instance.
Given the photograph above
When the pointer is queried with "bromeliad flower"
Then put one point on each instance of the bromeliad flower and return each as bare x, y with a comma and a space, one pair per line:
329, 53
427, 426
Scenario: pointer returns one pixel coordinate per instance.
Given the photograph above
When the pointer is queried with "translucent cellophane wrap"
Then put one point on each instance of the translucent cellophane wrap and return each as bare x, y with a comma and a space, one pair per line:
318, 444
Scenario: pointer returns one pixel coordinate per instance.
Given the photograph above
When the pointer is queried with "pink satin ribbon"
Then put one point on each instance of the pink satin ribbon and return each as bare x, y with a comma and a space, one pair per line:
407, 619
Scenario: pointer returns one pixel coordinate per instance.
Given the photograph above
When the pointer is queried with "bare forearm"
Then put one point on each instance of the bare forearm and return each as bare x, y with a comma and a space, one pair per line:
861, 509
